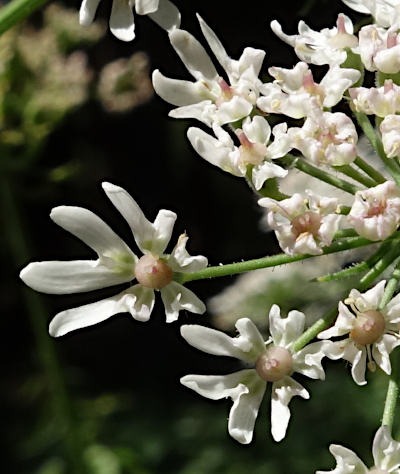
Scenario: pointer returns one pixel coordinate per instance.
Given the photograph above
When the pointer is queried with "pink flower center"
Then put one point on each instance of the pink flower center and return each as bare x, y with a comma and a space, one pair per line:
152, 272
309, 222
376, 207
368, 327
227, 92
274, 364
250, 153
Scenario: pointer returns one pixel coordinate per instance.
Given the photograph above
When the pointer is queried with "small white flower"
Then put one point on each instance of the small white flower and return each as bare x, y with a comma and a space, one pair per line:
385, 12
372, 333
254, 150
117, 264
122, 22
385, 451
380, 101
375, 213
390, 129
292, 89
326, 138
380, 49
321, 47
210, 98
273, 361
303, 224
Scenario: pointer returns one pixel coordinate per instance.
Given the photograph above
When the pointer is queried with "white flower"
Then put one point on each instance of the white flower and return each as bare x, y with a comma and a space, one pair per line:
375, 213
385, 451
372, 333
254, 150
390, 129
303, 225
117, 264
381, 101
385, 12
210, 98
321, 47
326, 138
273, 361
122, 22
292, 89
379, 49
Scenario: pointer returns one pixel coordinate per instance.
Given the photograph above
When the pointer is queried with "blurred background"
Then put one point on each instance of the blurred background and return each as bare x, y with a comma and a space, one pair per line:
77, 108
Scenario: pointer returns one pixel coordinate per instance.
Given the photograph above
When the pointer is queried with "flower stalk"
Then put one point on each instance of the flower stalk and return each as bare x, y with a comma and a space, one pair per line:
17, 10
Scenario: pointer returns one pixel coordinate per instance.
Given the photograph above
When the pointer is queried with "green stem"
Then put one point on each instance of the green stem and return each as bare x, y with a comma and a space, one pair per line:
315, 329
340, 234
375, 141
356, 175
318, 173
16, 11
265, 262
369, 170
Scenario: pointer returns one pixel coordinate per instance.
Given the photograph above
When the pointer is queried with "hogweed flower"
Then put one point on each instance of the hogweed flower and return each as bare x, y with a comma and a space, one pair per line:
379, 49
273, 361
385, 12
380, 101
303, 224
385, 451
122, 21
117, 264
327, 46
373, 333
375, 213
210, 98
254, 150
390, 130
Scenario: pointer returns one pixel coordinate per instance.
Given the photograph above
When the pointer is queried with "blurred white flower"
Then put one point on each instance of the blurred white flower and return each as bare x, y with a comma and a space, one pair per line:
117, 264
385, 12
273, 361
385, 451
372, 333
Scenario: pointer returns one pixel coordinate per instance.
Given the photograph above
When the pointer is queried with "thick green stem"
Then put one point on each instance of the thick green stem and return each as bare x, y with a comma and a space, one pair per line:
356, 175
318, 173
376, 142
16, 11
369, 170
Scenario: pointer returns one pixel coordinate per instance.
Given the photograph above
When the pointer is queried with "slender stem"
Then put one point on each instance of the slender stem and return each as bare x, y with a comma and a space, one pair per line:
16, 11
369, 170
271, 261
391, 287
356, 175
318, 173
375, 141
315, 329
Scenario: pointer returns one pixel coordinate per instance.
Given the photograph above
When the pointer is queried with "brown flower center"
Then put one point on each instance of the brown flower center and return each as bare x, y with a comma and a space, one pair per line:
368, 327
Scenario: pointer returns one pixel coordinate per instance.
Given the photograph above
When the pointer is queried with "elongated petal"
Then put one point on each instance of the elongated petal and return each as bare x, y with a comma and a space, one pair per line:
122, 22
308, 361
149, 237
347, 462
386, 450
176, 297
245, 389
215, 44
143, 7
277, 29
181, 261
392, 310
167, 16
193, 55
76, 276
357, 356
88, 11
285, 331
381, 351
282, 392
204, 111
266, 171
233, 110
92, 230
343, 324
257, 129
137, 301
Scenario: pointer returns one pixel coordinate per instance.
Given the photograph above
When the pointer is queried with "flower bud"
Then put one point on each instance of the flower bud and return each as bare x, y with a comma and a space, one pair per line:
152, 272
368, 327
274, 364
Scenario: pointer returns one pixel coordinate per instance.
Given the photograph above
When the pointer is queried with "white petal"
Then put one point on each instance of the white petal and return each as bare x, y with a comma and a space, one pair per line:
136, 300
193, 55
76, 276
122, 22
178, 92
203, 111
381, 350
266, 171
343, 324
181, 261
392, 310
143, 7
215, 44
347, 462
386, 450
282, 393
357, 5
357, 356
245, 389
277, 29
308, 361
92, 230
88, 11
176, 297
285, 331
257, 129
233, 110
167, 16
149, 237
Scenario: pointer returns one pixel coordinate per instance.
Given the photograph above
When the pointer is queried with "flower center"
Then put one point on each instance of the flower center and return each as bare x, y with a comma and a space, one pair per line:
368, 327
152, 272
274, 364
309, 222
250, 153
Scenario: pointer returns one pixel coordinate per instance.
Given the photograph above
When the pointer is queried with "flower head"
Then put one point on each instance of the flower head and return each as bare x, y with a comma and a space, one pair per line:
375, 213
272, 361
385, 451
372, 332
380, 101
117, 264
303, 224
